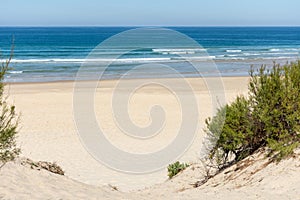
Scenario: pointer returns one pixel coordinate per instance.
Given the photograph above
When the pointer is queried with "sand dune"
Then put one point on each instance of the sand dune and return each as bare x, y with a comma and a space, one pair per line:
48, 133
253, 178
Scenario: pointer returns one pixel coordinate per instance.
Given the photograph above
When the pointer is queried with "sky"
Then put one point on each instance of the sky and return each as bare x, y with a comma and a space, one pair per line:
149, 13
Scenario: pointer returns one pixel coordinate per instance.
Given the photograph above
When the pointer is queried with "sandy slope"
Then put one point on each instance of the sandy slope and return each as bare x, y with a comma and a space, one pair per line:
20, 182
253, 178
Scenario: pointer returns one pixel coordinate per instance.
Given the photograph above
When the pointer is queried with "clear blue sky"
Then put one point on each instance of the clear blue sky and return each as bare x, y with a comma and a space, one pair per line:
150, 12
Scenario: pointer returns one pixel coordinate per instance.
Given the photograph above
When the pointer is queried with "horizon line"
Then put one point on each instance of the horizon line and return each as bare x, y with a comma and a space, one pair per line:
33, 26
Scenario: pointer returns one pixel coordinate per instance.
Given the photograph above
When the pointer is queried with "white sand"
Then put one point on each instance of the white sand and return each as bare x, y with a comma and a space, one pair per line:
48, 133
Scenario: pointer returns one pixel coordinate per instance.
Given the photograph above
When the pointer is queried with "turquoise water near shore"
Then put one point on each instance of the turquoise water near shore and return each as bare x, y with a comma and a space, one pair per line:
56, 53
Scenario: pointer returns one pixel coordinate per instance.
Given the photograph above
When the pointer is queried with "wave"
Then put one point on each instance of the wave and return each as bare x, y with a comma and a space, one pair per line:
285, 50
270, 53
281, 53
134, 60
275, 58
110, 60
15, 72
56, 60
200, 58
252, 54
43, 60
233, 51
231, 59
232, 55
274, 50
292, 49
179, 51
153, 59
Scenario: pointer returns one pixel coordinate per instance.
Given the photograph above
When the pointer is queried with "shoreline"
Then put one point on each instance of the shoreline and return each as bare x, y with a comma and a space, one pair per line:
231, 68
127, 79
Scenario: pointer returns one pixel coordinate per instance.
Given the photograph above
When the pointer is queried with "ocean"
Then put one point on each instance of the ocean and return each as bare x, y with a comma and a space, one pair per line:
43, 54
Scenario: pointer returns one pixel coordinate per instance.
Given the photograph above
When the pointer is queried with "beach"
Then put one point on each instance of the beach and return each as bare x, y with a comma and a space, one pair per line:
147, 100
48, 133
155, 90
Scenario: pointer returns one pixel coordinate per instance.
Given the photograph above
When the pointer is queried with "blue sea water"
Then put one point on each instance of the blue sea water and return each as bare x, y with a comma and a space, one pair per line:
56, 53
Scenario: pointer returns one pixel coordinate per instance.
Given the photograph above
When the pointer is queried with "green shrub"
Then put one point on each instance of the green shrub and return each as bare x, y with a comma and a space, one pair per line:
230, 132
275, 97
269, 117
8, 122
175, 168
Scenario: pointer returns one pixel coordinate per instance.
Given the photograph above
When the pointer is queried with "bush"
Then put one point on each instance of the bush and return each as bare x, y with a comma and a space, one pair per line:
230, 132
8, 122
269, 117
175, 168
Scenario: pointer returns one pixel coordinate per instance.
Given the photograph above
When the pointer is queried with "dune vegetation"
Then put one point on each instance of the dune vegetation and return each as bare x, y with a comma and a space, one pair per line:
267, 118
8, 122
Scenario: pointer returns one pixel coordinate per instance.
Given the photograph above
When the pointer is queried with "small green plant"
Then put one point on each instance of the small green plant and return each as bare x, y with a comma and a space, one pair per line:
8, 121
269, 117
175, 168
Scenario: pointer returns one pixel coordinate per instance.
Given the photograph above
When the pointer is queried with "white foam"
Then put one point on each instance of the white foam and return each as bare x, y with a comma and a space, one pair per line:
232, 55
252, 54
274, 50
120, 60
178, 51
281, 53
133, 60
200, 58
45, 60
284, 49
15, 72
233, 51
234, 58
293, 49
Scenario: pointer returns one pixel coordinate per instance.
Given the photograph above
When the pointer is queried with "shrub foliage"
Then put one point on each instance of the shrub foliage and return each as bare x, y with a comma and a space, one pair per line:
268, 117
8, 122
175, 168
